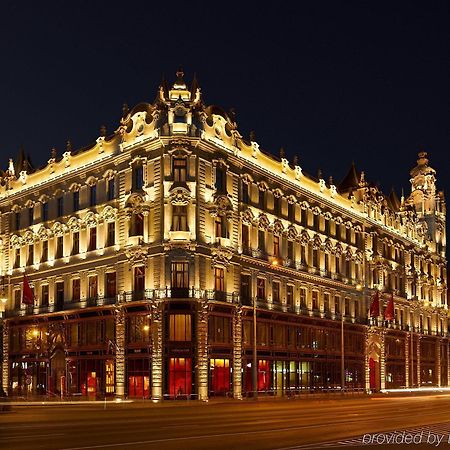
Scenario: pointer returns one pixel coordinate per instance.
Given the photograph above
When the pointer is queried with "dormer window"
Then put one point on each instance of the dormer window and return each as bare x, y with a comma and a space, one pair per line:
179, 169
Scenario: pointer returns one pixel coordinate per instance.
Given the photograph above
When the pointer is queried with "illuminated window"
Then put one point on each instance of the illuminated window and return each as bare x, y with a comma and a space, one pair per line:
179, 169
139, 281
337, 304
180, 327
109, 376
180, 278
76, 290
302, 297
315, 300
219, 279
180, 377
179, 218
276, 246
326, 302
219, 376
221, 227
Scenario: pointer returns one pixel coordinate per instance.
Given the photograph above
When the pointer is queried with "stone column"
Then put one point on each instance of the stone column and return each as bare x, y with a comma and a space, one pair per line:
120, 352
202, 349
237, 353
157, 350
419, 337
438, 361
5, 361
407, 352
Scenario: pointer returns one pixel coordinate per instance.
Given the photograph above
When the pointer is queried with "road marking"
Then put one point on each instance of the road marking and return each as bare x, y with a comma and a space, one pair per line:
30, 436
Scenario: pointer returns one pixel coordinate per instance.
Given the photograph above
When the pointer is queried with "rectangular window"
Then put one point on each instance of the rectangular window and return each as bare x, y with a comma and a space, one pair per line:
337, 265
76, 200
276, 246
45, 211
261, 200
315, 258
245, 290
138, 177
111, 238
137, 224
302, 297
303, 254
111, 285
276, 292
221, 179
290, 295
59, 295
60, 206
261, 240
59, 247
179, 218
180, 276
245, 196
221, 227
180, 327
92, 287
93, 195
326, 302
290, 250
179, 169
92, 239
110, 189
337, 304
76, 290
44, 295
17, 220
76, 243
17, 258
17, 298
347, 307
180, 377
139, 281
276, 205
291, 212
219, 279
315, 300
261, 289
245, 236
30, 255
44, 257
31, 215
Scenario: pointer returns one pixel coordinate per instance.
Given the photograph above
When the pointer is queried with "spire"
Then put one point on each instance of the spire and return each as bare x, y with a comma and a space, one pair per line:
350, 181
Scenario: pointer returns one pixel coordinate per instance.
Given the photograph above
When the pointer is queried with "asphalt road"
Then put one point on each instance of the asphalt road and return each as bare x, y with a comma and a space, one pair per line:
274, 424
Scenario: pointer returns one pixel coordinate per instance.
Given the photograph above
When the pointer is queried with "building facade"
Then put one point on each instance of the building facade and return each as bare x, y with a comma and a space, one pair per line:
151, 252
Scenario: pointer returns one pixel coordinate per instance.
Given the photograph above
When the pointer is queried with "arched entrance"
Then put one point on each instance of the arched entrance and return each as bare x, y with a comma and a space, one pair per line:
374, 354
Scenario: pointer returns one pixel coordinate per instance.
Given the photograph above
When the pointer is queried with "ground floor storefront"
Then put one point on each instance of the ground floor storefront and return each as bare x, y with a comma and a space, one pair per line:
183, 350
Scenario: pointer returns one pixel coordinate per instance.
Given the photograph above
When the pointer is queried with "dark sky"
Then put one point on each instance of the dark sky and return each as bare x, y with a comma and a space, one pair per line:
330, 81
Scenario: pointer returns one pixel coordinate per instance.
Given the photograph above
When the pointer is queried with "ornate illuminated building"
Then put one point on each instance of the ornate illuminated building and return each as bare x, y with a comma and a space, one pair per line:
149, 251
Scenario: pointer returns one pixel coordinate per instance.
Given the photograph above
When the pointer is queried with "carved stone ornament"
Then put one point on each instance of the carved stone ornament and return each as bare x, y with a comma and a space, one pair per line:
328, 247
263, 221
180, 196
298, 172
317, 242
278, 228
43, 233
292, 233
74, 224
348, 254
59, 229
338, 249
221, 256
16, 241
109, 214
247, 216
304, 238
221, 206
91, 220
137, 255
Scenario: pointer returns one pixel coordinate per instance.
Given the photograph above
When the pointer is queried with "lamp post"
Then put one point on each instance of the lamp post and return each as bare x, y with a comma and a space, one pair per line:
255, 357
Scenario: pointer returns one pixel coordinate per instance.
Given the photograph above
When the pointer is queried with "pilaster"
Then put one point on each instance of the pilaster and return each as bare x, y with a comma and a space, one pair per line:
202, 349
157, 350
237, 353
120, 351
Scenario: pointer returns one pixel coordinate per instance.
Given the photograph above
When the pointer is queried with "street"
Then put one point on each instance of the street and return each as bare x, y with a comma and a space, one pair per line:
266, 424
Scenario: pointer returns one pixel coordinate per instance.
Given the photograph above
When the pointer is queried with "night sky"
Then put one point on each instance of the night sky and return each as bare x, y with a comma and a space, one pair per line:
333, 82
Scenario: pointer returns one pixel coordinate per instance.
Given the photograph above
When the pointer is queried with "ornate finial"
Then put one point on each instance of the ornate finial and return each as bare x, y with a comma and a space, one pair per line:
330, 180
295, 161
423, 158
252, 136
319, 174
282, 153
180, 72
53, 153
11, 167
125, 110
103, 131
68, 146
179, 82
